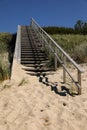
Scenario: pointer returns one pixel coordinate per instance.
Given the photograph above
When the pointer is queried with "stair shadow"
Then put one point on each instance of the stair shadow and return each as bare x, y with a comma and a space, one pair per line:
54, 86
39, 71
42, 78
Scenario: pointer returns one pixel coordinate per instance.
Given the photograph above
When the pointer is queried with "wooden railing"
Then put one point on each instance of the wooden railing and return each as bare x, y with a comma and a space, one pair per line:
59, 53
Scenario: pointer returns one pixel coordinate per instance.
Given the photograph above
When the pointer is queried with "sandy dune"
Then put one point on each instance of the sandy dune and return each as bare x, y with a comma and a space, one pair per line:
31, 105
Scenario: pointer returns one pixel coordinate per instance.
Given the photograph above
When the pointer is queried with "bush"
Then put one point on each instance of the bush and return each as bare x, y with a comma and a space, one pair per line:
80, 53
7, 45
59, 30
5, 39
73, 44
4, 72
49, 56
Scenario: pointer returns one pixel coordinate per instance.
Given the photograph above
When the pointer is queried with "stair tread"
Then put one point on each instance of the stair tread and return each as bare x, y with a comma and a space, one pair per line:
32, 55
33, 61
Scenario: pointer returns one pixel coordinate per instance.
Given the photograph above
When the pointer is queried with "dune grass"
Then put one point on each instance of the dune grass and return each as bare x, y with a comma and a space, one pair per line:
74, 45
6, 53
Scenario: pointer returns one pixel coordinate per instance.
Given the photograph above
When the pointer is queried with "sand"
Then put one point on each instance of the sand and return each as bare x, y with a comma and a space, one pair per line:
27, 104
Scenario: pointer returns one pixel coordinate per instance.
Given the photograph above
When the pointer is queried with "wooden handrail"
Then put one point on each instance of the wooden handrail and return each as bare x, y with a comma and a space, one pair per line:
47, 39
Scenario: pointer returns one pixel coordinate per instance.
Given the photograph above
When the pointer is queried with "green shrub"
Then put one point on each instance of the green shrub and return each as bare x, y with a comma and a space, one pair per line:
5, 39
7, 45
4, 72
3, 47
80, 53
49, 55
59, 30
50, 60
73, 44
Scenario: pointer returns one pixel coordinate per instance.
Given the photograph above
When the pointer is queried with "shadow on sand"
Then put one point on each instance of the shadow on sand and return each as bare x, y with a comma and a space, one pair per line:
53, 85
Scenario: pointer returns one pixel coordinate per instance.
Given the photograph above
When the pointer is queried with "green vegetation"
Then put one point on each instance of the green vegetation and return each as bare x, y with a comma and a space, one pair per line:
72, 40
79, 28
5, 39
7, 44
74, 45
59, 30
4, 71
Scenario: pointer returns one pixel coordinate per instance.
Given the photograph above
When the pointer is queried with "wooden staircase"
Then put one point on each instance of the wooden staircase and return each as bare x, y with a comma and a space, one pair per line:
29, 52
32, 55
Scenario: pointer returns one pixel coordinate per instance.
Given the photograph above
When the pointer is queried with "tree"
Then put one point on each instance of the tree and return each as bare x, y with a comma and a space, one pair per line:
85, 28
79, 26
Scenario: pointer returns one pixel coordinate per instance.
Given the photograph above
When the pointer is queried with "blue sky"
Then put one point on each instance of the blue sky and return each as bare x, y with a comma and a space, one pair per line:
46, 12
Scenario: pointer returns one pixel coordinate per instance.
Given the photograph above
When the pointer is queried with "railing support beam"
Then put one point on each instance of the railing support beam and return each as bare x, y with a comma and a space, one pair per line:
55, 64
64, 72
79, 81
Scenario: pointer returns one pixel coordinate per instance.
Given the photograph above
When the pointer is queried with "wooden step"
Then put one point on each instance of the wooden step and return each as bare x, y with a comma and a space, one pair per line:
32, 54
33, 62
33, 59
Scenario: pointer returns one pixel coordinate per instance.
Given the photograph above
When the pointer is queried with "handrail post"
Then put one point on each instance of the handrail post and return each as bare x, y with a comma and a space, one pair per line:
55, 59
31, 22
64, 72
40, 36
79, 81
42, 39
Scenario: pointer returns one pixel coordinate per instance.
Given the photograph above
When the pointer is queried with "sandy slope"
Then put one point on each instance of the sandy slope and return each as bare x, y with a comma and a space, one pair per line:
35, 106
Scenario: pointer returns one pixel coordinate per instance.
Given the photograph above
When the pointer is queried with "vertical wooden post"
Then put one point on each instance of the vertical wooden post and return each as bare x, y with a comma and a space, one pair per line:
39, 32
64, 75
55, 59
64, 72
79, 81
42, 38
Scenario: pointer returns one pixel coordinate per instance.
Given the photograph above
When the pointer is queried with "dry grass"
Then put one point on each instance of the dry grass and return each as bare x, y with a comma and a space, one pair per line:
74, 45
23, 82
